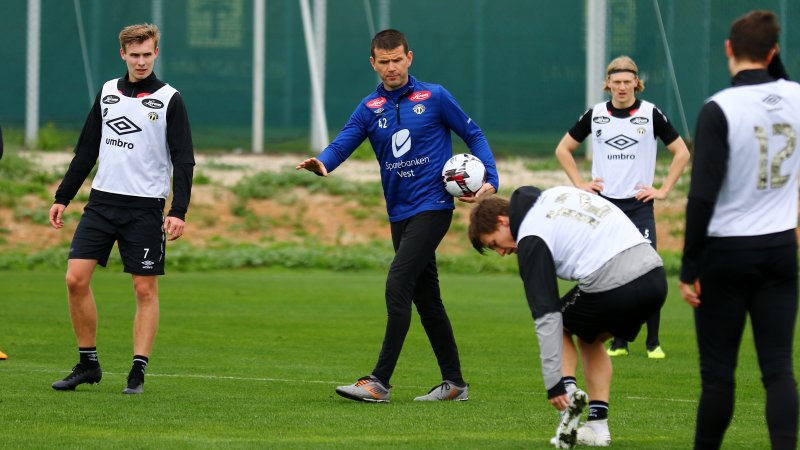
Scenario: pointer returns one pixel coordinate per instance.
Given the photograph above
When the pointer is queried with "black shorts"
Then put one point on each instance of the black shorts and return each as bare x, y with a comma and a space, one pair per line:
641, 214
620, 311
139, 233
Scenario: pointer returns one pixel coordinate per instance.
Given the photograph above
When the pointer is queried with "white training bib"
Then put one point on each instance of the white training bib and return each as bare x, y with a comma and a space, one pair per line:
624, 150
583, 231
134, 156
759, 193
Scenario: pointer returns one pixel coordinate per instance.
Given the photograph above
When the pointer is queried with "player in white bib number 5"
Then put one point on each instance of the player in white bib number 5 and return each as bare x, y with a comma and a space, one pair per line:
624, 132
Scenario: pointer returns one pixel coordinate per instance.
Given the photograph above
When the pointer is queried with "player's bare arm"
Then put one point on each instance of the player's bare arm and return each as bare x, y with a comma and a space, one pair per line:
174, 227
680, 158
56, 212
564, 151
313, 165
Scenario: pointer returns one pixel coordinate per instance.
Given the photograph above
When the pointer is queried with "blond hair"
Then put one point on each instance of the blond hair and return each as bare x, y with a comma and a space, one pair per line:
623, 64
138, 33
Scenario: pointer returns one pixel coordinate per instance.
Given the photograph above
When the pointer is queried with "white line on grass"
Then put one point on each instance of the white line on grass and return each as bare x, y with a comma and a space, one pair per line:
207, 377
296, 380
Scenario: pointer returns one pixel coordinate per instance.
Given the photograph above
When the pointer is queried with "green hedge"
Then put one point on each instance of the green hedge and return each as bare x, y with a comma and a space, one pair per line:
374, 256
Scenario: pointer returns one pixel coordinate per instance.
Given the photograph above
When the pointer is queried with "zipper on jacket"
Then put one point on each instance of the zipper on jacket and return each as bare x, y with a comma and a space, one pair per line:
397, 111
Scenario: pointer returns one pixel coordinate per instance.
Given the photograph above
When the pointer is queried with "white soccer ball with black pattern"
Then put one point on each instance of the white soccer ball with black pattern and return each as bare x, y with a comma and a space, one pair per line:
463, 175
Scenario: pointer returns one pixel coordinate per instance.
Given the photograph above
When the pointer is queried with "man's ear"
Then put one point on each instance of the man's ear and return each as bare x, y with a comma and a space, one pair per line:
728, 48
771, 54
503, 220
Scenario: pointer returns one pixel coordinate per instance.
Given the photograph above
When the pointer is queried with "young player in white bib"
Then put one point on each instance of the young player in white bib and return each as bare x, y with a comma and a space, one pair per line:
567, 233
138, 132
740, 251
624, 132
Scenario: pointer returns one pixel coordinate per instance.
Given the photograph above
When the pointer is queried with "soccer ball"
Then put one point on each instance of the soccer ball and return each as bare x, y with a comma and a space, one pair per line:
463, 175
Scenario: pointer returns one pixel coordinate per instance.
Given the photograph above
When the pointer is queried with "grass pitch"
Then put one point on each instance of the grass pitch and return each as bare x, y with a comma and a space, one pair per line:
250, 359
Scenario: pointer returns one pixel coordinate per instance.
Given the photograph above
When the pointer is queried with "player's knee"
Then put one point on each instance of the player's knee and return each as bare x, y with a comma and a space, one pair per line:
779, 377
719, 384
146, 292
398, 308
430, 310
77, 282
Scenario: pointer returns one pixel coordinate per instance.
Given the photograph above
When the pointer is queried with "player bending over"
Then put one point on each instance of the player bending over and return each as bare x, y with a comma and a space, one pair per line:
568, 233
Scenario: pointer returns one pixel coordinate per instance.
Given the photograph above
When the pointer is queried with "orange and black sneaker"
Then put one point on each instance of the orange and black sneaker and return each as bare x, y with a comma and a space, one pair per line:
366, 389
447, 391
3, 355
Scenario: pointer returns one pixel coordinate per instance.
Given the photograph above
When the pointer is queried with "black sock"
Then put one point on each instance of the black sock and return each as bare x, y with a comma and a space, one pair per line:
88, 357
383, 382
569, 380
459, 382
598, 410
139, 366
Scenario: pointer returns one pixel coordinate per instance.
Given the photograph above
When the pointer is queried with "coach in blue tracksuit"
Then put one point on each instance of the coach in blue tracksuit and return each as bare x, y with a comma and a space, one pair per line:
408, 123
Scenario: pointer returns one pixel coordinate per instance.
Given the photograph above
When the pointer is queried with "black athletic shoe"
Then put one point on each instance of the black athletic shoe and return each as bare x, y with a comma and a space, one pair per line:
80, 374
135, 386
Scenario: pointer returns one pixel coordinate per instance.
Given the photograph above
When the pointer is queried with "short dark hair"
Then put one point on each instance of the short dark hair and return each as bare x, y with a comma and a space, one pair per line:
753, 35
388, 40
483, 218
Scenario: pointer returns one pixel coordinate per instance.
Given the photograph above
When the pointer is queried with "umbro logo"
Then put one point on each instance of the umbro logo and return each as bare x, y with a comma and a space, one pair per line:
621, 142
772, 99
123, 125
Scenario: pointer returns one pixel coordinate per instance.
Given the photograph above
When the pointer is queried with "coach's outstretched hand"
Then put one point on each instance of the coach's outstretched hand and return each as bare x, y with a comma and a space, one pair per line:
313, 165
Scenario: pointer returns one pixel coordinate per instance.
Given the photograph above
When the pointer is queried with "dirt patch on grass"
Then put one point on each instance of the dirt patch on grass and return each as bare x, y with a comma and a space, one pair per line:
216, 215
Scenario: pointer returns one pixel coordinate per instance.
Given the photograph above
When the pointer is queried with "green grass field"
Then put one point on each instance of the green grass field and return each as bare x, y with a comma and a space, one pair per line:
250, 359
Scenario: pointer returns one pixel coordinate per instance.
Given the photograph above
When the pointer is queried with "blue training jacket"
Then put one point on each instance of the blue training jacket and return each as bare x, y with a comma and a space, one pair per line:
411, 140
